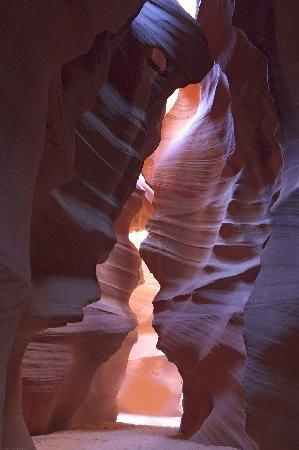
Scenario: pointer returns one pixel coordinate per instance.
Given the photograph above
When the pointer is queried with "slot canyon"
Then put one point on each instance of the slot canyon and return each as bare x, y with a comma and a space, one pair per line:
149, 200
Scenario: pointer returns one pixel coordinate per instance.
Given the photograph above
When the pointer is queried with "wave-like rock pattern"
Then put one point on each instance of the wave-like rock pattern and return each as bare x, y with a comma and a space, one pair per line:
71, 381
213, 190
72, 227
112, 141
152, 386
37, 39
272, 313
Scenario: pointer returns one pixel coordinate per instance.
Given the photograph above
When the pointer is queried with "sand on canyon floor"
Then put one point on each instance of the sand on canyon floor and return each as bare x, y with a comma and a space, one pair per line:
118, 436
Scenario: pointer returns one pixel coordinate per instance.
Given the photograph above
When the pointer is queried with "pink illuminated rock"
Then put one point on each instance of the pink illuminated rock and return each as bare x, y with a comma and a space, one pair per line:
213, 189
152, 385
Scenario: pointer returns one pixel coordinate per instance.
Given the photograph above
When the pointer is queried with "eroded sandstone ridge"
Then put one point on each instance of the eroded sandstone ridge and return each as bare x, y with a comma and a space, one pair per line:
58, 219
214, 182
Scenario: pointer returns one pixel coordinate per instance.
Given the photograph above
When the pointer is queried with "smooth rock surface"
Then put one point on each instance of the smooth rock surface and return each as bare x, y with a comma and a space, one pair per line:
118, 436
213, 185
75, 384
37, 39
72, 228
272, 313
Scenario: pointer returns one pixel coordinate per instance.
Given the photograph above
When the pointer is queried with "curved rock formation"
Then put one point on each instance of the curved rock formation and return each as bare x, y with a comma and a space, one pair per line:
152, 386
72, 226
213, 189
37, 38
272, 313
61, 120
112, 142
216, 176
88, 344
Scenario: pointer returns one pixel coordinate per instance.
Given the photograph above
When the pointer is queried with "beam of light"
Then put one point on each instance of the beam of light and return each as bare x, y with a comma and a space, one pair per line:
190, 6
134, 419
171, 101
137, 237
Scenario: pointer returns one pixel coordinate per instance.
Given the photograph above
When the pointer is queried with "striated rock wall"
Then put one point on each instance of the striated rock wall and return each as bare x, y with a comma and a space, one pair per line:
213, 190
152, 386
37, 39
112, 142
272, 313
216, 175
79, 349
72, 226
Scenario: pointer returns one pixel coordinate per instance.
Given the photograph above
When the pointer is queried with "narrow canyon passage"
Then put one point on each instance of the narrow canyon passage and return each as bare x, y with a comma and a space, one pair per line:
152, 385
150, 396
149, 399
149, 224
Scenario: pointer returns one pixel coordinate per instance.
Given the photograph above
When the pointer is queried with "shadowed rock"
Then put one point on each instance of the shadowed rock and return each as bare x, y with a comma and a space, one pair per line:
72, 226
272, 313
74, 380
37, 38
213, 190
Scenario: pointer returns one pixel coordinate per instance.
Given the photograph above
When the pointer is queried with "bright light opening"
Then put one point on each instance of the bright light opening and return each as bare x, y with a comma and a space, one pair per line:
190, 6
134, 419
171, 101
136, 237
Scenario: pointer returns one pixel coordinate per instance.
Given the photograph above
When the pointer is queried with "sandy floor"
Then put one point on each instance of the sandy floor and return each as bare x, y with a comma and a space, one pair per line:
118, 437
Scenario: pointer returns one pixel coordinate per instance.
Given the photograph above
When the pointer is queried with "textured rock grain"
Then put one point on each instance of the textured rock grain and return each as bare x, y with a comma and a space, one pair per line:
272, 313
213, 187
73, 227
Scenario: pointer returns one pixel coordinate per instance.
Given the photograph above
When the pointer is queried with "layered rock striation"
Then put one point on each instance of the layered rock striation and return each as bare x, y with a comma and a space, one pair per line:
130, 70
272, 314
69, 385
214, 184
37, 39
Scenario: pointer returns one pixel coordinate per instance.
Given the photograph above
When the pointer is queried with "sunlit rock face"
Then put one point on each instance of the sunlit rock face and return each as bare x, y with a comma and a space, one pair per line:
152, 386
214, 181
272, 314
